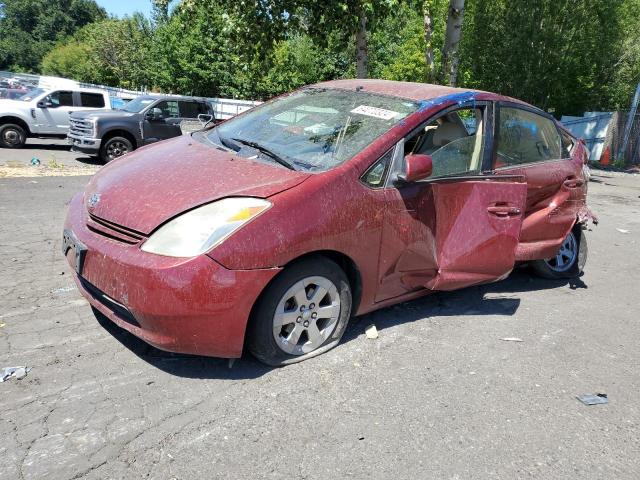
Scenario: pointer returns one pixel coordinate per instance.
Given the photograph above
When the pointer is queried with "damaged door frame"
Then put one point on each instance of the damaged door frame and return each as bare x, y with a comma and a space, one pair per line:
405, 203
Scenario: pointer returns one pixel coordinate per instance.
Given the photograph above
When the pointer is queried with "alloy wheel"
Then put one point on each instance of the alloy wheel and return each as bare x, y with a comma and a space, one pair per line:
566, 256
116, 149
306, 315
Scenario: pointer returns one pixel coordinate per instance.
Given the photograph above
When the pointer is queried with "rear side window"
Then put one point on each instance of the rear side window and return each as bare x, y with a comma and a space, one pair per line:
567, 145
526, 137
93, 100
192, 109
61, 98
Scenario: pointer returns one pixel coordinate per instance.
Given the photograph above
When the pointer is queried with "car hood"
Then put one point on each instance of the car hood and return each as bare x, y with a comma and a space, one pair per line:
90, 114
144, 189
8, 103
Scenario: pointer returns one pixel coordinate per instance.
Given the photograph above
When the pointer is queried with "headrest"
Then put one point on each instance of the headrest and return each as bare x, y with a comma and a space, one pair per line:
448, 132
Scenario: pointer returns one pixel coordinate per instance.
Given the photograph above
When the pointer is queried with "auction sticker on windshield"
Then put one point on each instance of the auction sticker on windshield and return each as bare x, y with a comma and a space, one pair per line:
375, 112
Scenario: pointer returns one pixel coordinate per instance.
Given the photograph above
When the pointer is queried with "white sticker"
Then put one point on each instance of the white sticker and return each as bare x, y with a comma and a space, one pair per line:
375, 112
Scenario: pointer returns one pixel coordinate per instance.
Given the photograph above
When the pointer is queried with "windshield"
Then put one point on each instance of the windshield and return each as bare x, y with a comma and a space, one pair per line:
30, 95
137, 104
314, 129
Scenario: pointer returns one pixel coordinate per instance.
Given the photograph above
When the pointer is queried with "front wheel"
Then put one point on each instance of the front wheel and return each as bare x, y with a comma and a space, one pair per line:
115, 147
12, 136
570, 259
302, 313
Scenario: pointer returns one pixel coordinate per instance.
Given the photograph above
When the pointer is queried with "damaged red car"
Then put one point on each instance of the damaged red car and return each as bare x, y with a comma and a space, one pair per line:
271, 230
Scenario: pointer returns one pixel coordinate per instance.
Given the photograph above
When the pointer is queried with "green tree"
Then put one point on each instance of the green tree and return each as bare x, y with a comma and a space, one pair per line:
30, 28
196, 52
299, 61
109, 52
561, 55
351, 20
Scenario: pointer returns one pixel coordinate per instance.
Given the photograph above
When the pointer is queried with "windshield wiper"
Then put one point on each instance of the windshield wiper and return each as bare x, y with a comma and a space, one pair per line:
223, 142
266, 151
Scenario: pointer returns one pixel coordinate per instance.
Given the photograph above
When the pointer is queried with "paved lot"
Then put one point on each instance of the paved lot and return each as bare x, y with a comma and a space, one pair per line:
54, 155
437, 395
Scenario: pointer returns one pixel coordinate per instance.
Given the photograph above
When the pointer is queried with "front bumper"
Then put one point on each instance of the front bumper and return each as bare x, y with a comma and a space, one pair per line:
191, 305
84, 144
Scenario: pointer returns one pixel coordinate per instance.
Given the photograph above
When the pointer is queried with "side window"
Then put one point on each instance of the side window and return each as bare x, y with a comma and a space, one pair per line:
454, 140
377, 173
93, 100
61, 98
526, 137
567, 145
192, 109
169, 109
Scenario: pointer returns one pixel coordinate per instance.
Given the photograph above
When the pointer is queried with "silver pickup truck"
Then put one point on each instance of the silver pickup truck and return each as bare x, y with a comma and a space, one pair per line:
45, 113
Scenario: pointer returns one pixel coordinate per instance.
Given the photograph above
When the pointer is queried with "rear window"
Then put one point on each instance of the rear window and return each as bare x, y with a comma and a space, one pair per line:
192, 109
94, 100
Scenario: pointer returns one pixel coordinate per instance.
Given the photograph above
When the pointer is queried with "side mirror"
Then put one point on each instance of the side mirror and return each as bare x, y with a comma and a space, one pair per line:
44, 104
205, 118
417, 167
155, 114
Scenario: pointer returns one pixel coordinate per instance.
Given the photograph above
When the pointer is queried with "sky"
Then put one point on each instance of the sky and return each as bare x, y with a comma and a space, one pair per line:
126, 7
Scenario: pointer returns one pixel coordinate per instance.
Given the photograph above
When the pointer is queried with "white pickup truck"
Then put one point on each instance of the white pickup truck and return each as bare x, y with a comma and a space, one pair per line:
45, 113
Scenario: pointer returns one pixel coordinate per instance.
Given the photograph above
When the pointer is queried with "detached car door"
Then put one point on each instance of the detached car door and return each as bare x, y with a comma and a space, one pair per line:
530, 144
460, 226
168, 126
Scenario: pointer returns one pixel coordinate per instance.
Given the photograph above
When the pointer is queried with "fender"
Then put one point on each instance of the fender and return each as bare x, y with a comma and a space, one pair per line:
135, 134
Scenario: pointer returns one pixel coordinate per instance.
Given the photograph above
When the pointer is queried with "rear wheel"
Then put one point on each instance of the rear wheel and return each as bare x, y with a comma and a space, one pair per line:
115, 147
302, 313
570, 259
12, 136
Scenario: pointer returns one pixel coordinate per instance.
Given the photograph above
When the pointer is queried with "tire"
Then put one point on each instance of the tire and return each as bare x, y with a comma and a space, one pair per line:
115, 147
281, 331
575, 243
12, 136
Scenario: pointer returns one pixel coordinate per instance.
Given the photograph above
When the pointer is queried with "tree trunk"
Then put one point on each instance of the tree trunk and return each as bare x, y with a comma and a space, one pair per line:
449, 71
428, 32
362, 50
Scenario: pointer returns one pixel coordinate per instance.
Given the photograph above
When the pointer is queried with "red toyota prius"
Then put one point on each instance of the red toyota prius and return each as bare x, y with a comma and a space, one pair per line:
274, 228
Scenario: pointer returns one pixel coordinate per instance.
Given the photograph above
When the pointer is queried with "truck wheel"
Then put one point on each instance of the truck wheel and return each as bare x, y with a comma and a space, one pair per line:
12, 136
115, 147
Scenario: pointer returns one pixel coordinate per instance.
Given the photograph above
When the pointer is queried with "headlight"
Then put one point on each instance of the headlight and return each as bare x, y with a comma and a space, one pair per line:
94, 127
202, 228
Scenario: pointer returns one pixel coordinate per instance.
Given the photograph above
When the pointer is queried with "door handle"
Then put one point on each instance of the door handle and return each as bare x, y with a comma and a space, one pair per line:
573, 183
503, 211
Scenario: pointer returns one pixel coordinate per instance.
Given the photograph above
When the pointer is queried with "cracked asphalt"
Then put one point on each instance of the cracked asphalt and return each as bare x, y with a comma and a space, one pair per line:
437, 395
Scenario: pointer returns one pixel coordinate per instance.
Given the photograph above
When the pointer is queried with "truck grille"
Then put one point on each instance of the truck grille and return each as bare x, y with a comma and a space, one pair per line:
81, 128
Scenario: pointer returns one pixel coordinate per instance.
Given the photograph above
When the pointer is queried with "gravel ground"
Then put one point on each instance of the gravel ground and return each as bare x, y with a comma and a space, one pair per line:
437, 395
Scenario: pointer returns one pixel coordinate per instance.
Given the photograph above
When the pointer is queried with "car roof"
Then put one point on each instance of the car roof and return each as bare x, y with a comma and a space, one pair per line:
408, 90
84, 90
158, 96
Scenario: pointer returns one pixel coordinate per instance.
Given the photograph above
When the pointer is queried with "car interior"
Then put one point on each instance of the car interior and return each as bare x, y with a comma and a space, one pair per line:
454, 141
